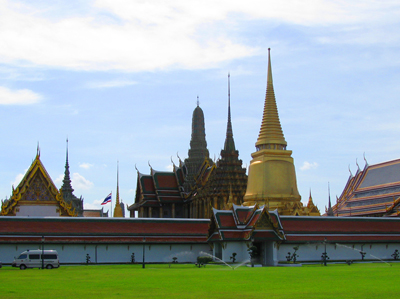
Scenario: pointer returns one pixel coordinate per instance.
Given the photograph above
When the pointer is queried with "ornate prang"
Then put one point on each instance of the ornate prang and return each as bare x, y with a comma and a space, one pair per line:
224, 183
198, 148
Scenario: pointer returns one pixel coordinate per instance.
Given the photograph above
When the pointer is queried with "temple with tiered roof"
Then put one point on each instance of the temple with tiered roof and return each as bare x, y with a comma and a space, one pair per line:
160, 194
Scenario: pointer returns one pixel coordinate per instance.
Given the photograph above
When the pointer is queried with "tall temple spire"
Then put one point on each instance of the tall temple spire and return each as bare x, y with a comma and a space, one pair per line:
271, 135
118, 210
67, 187
272, 177
67, 190
198, 151
229, 142
226, 184
329, 212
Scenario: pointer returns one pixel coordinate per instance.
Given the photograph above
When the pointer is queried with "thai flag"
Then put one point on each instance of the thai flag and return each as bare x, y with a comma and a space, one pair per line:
107, 199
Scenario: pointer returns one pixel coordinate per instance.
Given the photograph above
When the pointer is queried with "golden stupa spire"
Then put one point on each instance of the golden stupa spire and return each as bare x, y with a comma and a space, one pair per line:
272, 177
118, 209
271, 135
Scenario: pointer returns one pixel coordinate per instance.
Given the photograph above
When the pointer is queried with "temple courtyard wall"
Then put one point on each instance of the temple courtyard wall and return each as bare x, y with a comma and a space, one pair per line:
112, 253
112, 240
274, 253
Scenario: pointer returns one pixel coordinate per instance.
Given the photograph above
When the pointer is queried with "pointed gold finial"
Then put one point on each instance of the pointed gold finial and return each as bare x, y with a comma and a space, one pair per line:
117, 182
118, 209
38, 151
271, 134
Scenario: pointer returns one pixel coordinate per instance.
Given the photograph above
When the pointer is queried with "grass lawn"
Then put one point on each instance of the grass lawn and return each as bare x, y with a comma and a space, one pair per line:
372, 280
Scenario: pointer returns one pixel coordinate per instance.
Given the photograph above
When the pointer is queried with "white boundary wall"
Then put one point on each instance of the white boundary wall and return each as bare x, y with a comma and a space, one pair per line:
112, 253
312, 252
273, 253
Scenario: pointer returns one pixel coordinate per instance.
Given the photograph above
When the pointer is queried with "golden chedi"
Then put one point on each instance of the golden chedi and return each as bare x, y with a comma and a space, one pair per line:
118, 209
272, 177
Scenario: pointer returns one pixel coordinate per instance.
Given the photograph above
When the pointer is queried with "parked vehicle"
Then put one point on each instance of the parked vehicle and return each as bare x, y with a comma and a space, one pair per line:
33, 259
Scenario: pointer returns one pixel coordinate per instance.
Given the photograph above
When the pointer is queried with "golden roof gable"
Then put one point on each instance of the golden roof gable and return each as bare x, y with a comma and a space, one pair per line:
36, 187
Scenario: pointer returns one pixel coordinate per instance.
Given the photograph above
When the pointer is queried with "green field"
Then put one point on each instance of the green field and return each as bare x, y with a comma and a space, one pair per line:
372, 280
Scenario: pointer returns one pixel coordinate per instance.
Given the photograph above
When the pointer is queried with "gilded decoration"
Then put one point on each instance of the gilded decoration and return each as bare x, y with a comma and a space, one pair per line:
36, 188
272, 177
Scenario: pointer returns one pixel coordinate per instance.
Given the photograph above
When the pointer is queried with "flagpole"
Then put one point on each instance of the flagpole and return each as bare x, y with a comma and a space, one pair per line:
111, 205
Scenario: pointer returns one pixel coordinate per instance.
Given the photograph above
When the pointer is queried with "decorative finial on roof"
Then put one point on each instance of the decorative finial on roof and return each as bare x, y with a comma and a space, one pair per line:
66, 186
67, 150
136, 168
117, 182
198, 101
118, 206
310, 201
366, 163
330, 210
38, 150
148, 162
358, 166
350, 171
229, 142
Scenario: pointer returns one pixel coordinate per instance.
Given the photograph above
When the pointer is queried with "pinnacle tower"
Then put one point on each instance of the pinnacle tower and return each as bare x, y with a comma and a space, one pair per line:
272, 177
229, 142
118, 210
67, 190
198, 151
227, 183
66, 186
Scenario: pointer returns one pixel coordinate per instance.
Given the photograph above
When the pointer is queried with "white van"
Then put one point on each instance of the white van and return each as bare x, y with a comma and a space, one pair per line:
33, 259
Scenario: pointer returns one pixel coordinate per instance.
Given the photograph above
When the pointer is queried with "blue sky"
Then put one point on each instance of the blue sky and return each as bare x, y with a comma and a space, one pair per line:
120, 80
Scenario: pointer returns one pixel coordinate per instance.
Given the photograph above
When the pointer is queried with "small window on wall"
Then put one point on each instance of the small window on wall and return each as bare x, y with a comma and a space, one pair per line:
34, 256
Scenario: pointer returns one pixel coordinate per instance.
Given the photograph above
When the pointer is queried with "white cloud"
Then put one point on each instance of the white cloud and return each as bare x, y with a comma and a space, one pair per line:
308, 165
58, 181
79, 182
18, 97
111, 84
95, 205
169, 167
137, 36
18, 179
85, 165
